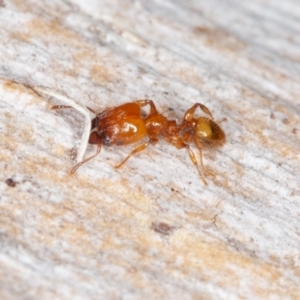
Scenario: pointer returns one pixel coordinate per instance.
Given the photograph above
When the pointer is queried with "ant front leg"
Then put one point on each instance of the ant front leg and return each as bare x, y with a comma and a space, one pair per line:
198, 145
180, 145
137, 150
189, 115
194, 161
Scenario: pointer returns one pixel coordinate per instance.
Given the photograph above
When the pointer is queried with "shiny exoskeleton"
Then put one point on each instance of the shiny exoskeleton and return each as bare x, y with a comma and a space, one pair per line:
126, 124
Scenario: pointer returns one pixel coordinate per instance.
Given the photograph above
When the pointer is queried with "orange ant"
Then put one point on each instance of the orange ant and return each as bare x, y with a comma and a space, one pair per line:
125, 124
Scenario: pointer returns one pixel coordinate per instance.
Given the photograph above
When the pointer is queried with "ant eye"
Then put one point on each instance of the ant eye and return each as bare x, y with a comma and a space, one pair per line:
203, 128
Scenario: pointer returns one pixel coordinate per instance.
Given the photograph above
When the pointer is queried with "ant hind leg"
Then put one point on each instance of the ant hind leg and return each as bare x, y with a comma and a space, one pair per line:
74, 169
145, 102
137, 150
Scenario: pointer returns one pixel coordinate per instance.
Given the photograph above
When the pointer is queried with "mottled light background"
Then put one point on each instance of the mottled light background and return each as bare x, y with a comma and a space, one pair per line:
150, 230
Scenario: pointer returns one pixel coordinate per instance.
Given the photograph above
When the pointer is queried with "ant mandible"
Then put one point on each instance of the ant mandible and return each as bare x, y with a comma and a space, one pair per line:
125, 124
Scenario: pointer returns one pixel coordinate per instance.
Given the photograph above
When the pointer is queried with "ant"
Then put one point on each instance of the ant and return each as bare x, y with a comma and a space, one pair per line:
125, 124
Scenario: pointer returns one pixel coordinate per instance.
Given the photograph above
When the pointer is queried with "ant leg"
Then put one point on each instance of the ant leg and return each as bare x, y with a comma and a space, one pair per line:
136, 150
74, 169
202, 166
68, 106
189, 115
194, 161
198, 145
145, 102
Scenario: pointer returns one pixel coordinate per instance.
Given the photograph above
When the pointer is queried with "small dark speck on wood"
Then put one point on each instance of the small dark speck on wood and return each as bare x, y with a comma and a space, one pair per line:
10, 182
162, 228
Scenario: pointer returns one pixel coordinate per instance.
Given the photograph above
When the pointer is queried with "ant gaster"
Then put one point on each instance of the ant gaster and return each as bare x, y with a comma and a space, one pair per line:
125, 124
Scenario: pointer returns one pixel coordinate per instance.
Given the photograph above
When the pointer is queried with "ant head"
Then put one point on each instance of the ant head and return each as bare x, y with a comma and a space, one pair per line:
208, 132
204, 132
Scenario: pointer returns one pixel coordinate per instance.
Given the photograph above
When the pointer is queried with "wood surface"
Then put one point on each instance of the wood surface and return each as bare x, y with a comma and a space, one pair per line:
152, 229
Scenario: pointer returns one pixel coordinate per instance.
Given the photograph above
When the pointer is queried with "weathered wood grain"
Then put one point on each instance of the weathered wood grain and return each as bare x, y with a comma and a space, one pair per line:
150, 230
